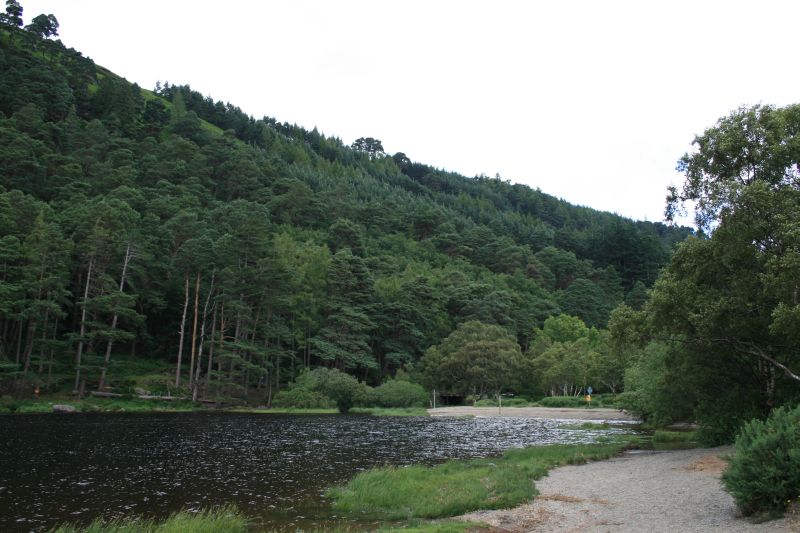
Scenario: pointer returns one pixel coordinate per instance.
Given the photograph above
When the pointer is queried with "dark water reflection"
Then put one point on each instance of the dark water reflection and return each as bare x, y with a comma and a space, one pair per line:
275, 468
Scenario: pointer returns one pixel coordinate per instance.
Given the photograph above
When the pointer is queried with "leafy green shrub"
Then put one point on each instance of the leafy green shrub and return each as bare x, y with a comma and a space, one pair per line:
606, 400
518, 401
395, 393
339, 388
345, 390
563, 401
764, 474
515, 402
302, 398
485, 402
8, 404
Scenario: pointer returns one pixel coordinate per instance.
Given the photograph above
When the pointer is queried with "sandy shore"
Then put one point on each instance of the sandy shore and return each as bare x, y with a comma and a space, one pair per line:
675, 491
561, 413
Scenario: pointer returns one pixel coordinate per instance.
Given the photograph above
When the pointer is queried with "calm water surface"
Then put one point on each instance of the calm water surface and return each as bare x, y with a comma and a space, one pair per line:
275, 468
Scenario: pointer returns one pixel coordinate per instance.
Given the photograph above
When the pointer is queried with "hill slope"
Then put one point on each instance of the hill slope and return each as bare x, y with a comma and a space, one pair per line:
163, 228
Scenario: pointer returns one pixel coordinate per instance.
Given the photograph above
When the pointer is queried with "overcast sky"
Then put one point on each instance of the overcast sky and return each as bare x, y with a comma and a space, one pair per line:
590, 101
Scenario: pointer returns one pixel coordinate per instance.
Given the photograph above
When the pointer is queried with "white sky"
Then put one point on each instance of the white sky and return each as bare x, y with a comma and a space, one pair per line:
591, 101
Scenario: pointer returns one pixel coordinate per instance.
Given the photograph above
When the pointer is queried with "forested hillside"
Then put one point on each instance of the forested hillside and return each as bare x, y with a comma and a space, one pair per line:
226, 253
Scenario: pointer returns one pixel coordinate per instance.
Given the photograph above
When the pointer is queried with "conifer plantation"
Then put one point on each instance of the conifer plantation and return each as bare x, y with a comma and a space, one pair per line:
164, 241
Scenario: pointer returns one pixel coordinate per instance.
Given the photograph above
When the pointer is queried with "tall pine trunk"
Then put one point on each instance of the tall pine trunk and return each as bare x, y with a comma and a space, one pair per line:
194, 331
115, 318
79, 355
211, 352
196, 386
183, 331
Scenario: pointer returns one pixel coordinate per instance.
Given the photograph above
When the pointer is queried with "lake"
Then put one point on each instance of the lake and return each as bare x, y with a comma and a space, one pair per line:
275, 468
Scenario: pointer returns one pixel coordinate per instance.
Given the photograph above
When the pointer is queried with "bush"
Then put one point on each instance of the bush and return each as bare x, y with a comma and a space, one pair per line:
764, 474
339, 388
398, 394
563, 401
507, 402
345, 390
302, 398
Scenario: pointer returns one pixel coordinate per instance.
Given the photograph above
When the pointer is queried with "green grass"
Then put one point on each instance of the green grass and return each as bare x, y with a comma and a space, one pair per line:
97, 405
457, 487
585, 426
283, 411
391, 411
226, 519
446, 526
664, 436
374, 411
507, 402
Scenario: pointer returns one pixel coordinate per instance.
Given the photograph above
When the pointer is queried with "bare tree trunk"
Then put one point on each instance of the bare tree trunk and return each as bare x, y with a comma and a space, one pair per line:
194, 331
83, 326
18, 357
51, 354
211, 352
221, 345
27, 354
42, 343
110, 343
196, 386
183, 330
236, 332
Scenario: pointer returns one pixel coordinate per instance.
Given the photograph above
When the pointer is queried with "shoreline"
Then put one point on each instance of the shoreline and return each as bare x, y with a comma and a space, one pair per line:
553, 413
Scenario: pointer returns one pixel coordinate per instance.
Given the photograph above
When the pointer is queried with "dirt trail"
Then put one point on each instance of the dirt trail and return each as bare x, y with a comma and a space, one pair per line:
675, 491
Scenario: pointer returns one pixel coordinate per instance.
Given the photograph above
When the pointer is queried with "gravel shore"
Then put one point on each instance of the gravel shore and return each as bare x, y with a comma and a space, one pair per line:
674, 491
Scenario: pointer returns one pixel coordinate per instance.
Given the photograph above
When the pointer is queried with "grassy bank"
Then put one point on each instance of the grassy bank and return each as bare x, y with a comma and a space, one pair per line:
228, 520
97, 405
137, 405
586, 426
374, 411
445, 526
458, 487
576, 402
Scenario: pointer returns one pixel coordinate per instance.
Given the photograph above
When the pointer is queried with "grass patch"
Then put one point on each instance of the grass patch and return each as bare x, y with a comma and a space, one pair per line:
374, 411
98, 405
586, 426
457, 487
664, 436
226, 519
598, 400
446, 526
391, 411
283, 411
507, 402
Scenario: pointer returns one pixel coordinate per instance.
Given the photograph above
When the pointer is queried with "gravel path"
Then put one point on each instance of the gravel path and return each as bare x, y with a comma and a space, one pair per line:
675, 491
562, 413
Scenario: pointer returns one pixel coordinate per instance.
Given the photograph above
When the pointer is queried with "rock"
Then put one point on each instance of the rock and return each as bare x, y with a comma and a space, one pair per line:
61, 408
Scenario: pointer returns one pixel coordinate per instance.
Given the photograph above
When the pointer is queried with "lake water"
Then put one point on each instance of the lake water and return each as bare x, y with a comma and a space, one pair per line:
275, 468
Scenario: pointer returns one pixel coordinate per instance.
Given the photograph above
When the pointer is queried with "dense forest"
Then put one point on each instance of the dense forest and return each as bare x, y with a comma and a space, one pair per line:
167, 227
